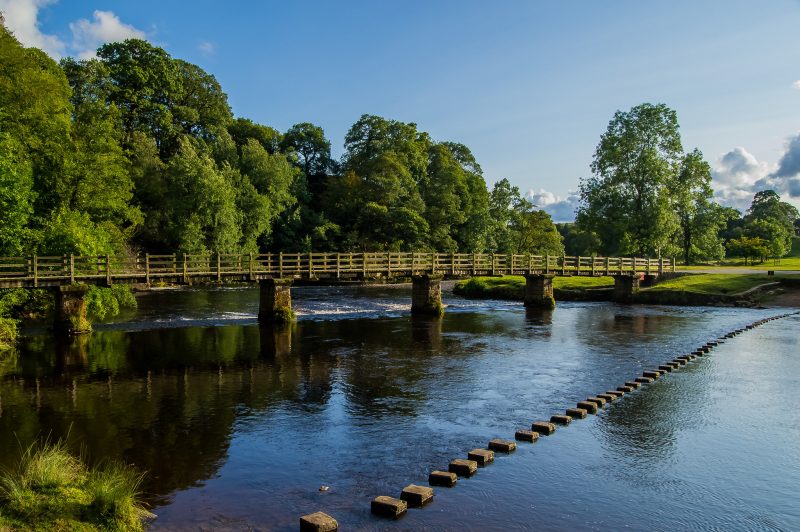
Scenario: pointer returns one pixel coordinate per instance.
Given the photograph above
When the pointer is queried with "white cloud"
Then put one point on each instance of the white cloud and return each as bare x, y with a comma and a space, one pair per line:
22, 18
107, 27
206, 47
561, 209
796, 84
735, 177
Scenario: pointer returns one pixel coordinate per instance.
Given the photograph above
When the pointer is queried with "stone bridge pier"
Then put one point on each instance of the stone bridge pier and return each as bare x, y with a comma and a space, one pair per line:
426, 295
626, 287
70, 310
275, 301
539, 291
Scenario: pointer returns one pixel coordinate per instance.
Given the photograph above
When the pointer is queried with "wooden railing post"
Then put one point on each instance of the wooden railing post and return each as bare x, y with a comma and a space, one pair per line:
547, 263
71, 268
108, 269
413, 257
310, 265
452, 264
35, 271
174, 263
563, 264
673, 264
219, 267
364, 265
280, 265
433, 263
592, 265
185, 269
147, 268
338, 265
492, 264
474, 264
250, 265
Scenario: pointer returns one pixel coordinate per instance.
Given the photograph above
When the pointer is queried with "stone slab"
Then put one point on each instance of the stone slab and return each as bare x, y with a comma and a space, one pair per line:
577, 413
442, 478
463, 468
417, 496
318, 522
543, 427
599, 401
482, 456
502, 446
607, 396
388, 506
560, 419
626, 388
526, 435
633, 384
589, 406
644, 380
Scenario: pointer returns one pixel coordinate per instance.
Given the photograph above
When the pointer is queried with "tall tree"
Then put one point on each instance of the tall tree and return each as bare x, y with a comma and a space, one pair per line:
627, 200
312, 148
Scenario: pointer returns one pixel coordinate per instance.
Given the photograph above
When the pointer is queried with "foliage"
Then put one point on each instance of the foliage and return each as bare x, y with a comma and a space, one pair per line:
518, 226
103, 303
8, 333
51, 489
749, 248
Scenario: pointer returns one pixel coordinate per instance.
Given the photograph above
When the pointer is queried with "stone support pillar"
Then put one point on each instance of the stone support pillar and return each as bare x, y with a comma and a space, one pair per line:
426, 295
625, 287
70, 310
539, 291
275, 301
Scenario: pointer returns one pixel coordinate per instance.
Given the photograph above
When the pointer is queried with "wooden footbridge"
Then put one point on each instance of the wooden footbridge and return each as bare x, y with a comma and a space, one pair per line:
69, 274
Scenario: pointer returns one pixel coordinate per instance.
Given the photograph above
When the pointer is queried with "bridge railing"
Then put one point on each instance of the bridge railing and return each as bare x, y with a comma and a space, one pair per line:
95, 268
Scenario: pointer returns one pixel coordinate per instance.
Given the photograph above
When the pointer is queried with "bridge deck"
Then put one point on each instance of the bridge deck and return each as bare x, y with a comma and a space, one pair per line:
35, 271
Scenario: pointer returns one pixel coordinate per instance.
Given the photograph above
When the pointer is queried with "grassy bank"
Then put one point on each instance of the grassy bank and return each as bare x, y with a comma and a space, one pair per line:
697, 289
52, 490
713, 284
513, 286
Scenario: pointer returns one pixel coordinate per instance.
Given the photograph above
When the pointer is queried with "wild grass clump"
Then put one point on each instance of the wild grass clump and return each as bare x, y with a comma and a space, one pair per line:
50, 489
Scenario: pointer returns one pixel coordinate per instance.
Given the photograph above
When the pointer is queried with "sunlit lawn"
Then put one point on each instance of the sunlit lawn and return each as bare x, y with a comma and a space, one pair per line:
721, 283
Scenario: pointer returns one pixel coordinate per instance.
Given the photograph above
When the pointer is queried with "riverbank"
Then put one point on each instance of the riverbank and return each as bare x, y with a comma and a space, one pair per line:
689, 289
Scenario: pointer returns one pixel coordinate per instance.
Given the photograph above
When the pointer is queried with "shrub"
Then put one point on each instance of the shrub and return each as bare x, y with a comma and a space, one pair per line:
102, 303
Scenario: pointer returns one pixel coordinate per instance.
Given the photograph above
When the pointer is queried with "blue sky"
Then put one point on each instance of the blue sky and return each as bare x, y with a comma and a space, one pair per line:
528, 86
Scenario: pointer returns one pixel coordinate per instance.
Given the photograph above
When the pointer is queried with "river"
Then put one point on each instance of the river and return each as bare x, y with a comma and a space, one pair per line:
239, 426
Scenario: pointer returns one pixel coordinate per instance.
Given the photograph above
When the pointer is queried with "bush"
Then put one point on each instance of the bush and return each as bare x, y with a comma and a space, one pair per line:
8, 333
51, 489
102, 303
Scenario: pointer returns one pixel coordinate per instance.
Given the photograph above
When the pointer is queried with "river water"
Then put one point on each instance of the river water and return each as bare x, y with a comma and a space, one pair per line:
239, 426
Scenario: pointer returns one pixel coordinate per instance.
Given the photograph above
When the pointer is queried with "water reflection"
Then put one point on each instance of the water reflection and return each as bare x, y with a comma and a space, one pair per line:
204, 408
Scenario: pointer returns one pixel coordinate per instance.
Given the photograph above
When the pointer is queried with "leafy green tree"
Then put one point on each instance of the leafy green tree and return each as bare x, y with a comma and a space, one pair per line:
312, 148
16, 197
519, 227
773, 220
749, 248
627, 201
699, 219
577, 242
243, 129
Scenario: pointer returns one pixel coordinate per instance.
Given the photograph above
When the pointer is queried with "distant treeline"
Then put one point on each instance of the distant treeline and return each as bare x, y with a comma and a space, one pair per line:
137, 151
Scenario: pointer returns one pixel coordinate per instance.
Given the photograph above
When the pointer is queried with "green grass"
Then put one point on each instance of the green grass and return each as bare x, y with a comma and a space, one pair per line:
513, 286
722, 283
52, 490
786, 263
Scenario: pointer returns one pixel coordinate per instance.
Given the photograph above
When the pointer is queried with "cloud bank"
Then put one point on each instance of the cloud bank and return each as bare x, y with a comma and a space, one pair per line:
22, 18
561, 209
107, 27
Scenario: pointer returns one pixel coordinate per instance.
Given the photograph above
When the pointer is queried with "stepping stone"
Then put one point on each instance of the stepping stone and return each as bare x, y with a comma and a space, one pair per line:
607, 396
681, 361
626, 388
526, 435
388, 506
560, 419
318, 522
666, 368
543, 427
616, 393
633, 384
442, 478
502, 446
651, 374
416, 496
599, 401
482, 456
463, 468
644, 380
579, 413
589, 406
